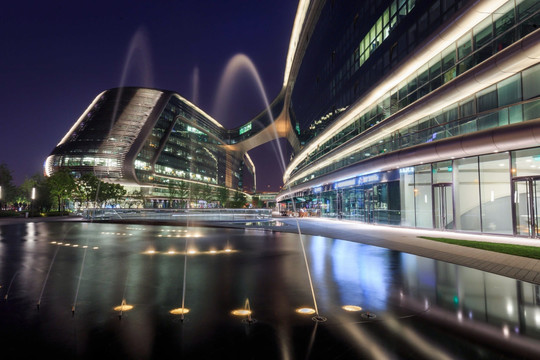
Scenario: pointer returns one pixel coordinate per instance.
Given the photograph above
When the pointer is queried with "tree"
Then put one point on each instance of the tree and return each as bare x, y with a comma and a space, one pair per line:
239, 199
34, 192
86, 188
173, 192
7, 189
183, 192
138, 197
195, 191
257, 202
206, 193
110, 193
223, 196
62, 186
42, 197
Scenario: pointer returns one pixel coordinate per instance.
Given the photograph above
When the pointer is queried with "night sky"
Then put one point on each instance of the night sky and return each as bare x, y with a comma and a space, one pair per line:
56, 56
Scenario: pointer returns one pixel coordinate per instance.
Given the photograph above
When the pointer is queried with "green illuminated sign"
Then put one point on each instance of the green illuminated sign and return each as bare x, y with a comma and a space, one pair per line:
244, 129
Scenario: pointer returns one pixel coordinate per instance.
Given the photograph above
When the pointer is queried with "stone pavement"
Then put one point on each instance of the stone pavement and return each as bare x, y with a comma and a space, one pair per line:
408, 241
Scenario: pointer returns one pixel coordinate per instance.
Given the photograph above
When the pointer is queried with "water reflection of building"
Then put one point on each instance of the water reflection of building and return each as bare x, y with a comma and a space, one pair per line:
151, 139
469, 296
419, 113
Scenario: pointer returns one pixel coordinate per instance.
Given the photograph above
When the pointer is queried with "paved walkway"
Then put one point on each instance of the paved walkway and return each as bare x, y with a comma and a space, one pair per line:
407, 240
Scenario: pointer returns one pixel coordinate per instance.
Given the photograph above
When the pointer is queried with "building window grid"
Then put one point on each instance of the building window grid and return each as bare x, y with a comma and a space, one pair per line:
454, 120
428, 79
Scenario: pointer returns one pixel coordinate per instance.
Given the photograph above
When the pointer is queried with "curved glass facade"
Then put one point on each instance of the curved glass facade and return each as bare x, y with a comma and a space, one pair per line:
420, 113
150, 138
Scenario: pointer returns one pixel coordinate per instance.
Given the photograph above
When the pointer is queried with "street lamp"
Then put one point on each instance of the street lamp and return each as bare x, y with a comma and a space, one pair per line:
33, 198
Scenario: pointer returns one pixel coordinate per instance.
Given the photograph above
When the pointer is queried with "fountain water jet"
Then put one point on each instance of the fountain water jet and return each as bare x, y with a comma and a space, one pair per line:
47, 277
139, 44
78, 283
195, 86
184, 282
241, 62
237, 64
9, 287
50, 268
246, 311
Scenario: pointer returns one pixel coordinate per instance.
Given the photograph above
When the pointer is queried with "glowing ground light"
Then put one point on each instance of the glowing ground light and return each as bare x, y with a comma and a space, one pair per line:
351, 308
213, 251
305, 311
170, 252
228, 250
151, 252
95, 248
192, 252
241, 312
179, 311
123, 307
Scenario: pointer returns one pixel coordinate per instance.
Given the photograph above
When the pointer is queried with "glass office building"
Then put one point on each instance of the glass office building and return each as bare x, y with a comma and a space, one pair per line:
417, 113
151, 139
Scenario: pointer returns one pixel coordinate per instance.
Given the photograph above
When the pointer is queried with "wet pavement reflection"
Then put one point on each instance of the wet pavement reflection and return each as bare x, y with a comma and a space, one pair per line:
83, 290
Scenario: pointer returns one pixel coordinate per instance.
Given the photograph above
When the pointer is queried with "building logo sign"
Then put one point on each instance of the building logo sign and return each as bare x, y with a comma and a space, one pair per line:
368, 178
344, 183
244, 129
407, 170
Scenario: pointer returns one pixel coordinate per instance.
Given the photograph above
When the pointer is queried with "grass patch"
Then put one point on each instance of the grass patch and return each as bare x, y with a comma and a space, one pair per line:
511, 249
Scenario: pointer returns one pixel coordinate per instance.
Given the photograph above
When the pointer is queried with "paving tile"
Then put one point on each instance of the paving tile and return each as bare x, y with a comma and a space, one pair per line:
531, 276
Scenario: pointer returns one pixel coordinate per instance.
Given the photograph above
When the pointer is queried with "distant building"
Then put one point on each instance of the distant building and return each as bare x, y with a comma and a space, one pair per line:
151, 139
268, 199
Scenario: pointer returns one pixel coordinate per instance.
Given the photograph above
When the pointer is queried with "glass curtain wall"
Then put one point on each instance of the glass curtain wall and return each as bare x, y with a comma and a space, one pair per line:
422, 190
467, 194
526, 187
495, 193
407, 196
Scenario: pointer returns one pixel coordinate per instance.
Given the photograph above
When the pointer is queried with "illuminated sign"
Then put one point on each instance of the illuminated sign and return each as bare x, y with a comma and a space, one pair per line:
244, 129
350, 182
407, 170
368, 178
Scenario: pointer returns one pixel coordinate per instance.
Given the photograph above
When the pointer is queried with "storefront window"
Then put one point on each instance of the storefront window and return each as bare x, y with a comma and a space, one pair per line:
467, 194
495, 193
422, 190
526, 163
407, 194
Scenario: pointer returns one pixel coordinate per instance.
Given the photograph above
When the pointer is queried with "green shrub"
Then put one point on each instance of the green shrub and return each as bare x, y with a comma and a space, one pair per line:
9, 213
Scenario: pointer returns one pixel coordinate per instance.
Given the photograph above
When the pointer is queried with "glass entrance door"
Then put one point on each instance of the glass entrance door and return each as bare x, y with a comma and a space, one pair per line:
443, 206
526, 208
369, 204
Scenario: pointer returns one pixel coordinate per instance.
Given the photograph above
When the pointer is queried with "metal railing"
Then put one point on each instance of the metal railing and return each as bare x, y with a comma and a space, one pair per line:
180, 215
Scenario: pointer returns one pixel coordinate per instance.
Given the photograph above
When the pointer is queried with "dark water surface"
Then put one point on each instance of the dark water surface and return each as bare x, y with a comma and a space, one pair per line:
412, 307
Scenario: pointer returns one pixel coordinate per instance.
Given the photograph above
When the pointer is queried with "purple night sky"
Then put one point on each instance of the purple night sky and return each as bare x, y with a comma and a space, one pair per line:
58, 55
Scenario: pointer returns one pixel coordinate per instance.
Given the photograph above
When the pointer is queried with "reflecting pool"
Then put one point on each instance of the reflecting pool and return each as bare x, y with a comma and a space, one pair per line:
144, 291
